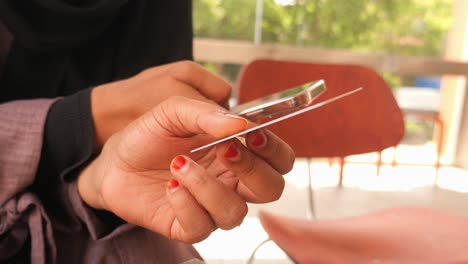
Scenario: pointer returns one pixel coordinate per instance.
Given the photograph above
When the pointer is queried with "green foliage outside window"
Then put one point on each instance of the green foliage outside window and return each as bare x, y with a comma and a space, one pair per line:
403, 27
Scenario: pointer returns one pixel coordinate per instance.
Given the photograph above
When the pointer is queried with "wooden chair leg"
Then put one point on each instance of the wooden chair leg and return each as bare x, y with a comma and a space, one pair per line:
379, 162
342, 161
439, 139
310, 191
394, 162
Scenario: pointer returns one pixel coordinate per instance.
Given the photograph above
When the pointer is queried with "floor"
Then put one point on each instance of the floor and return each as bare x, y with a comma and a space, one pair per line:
363, 191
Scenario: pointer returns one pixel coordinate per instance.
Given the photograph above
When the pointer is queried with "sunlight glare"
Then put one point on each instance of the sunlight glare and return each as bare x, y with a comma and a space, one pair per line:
239, 243
285, 2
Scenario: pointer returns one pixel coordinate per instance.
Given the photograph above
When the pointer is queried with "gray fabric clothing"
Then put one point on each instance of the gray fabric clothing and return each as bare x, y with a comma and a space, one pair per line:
29, 233
21, 130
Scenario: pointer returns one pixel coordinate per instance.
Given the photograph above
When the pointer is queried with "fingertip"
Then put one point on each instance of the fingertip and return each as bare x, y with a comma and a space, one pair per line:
232, 153
221, 124
258, 139
236, 117
179, 164
231, 124
172, 186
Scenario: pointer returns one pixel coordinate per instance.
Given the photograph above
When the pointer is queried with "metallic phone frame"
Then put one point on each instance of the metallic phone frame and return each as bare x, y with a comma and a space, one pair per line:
280, 103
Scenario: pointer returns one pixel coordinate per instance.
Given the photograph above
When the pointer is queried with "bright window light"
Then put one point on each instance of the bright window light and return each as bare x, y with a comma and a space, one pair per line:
285, 2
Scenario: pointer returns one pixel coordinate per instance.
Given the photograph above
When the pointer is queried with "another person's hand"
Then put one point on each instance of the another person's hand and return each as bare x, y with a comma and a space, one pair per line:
398, 235
115, 105
137, 174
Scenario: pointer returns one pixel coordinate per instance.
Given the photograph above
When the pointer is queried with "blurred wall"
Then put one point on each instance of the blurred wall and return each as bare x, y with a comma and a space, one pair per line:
454, 101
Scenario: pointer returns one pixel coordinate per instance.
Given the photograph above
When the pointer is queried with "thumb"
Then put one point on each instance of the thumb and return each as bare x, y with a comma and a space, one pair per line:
183, 117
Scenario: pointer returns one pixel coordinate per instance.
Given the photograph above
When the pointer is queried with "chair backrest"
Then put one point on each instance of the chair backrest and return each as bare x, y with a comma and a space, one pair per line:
367, 121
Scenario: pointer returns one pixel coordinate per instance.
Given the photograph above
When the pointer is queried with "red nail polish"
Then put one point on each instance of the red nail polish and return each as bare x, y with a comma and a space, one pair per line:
172, 185
232, 152
259, 139
178, 162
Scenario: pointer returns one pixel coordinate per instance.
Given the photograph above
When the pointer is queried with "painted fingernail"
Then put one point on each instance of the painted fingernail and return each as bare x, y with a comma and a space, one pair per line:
172, 185
178, 162
232, 152
259, 139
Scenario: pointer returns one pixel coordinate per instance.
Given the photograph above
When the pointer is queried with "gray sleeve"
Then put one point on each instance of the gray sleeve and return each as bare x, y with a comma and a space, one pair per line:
23, 215
21, 133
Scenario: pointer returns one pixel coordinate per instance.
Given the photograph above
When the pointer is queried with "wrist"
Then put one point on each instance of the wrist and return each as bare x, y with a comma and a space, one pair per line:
109, 112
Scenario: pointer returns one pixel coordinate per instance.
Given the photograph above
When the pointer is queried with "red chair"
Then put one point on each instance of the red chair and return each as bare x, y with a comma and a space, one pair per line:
368, 121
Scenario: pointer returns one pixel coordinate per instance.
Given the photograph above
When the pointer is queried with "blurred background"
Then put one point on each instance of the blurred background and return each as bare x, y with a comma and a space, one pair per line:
420, 47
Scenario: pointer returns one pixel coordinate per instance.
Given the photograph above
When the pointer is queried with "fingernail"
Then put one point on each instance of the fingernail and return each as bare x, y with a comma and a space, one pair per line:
178, 162
172, 185
259, 139
236, 117
232, 153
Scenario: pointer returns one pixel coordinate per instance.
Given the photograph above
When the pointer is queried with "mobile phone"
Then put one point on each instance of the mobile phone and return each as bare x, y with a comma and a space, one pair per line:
280, 103
294, 112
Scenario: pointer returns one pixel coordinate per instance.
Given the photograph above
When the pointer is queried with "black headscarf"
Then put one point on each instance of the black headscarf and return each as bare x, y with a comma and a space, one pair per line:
63, 46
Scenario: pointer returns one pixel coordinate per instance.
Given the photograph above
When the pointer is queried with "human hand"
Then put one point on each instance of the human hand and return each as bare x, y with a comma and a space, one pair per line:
397, 235
137, 177
115, 105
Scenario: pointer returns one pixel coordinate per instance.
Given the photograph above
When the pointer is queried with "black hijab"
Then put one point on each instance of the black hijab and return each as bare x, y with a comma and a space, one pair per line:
63, 46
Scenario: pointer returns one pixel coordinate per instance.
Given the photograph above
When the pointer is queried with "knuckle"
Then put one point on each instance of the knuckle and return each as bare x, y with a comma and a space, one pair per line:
197, 182
233, 217
184, 67
289, 165
291, 161
278, 191
249, 167
167, 81
274, 147
225, 90
166, 108
274, 192
152, 71
146, 72
198, 234
171, 101
278, 148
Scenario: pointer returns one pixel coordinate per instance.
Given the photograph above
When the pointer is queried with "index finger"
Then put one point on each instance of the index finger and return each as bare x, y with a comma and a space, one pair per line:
194, 75
207, 83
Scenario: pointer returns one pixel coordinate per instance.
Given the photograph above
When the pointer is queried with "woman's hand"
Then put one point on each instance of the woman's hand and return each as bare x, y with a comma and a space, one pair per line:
141, 176
115, 105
